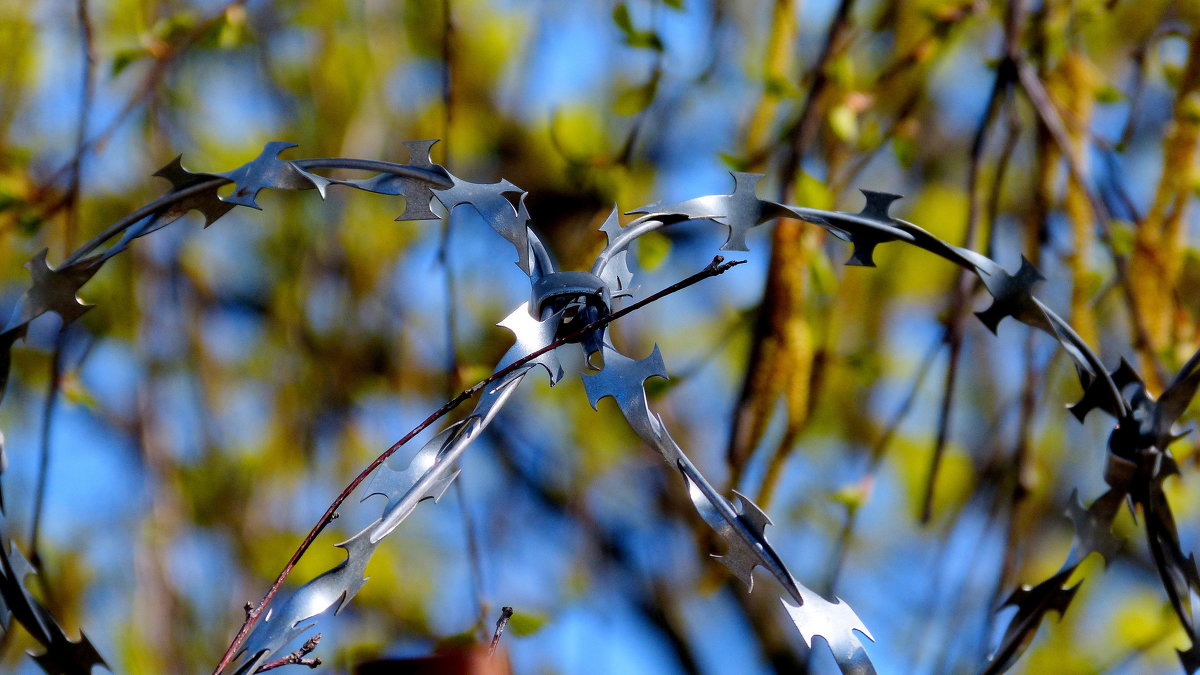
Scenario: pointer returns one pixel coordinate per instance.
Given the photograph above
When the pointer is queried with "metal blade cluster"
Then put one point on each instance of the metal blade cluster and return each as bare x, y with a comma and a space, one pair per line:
427, 476
60, 654
742, 527
1138, 460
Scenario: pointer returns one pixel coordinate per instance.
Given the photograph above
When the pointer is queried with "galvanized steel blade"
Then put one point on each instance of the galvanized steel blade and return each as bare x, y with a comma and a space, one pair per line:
864, 230
428, 475
741, 527
60, 653
207, 202
268, 171
738, 211
489, 201
53, 290
418, 194
1032, 603
616, 272
531, 335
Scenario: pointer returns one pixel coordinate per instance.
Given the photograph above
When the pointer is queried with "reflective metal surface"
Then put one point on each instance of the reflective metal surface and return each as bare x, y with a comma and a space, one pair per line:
1138, 458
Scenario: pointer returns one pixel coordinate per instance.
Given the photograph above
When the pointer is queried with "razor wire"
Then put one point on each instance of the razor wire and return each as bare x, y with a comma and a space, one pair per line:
1137, 460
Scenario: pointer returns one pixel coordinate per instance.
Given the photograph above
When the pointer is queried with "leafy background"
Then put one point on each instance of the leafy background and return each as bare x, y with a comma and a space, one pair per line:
231, 381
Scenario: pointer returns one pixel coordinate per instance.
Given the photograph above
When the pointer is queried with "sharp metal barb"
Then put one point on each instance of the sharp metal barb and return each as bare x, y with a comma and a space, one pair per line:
268, 171
1098, 394
622, 379
836, 623
738, 211
53, 290
417, 193
393, 484
1093, 526
60, 653
489, 201
208, 203
742, 527
428, 475
531, 335
329, 591
1032, 603
1012, 295
616, 273
196, 191
864, 230
1178, 572
1170, 406
1137, 462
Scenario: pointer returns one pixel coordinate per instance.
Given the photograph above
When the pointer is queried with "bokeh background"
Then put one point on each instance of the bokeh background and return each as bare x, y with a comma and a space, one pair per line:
231, 380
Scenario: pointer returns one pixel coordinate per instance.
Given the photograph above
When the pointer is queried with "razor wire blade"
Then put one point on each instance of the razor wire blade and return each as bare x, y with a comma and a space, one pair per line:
1137, 456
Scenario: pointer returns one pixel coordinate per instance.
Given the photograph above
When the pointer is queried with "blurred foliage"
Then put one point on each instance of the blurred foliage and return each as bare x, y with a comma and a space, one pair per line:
231, 380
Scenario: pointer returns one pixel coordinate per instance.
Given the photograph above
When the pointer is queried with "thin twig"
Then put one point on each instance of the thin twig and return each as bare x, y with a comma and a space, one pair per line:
964, 282
296, 658
453, 362
87, 91
1042, 104
1006, 77
803, 129
652, 601
717, 267
801, 133
143, 93
39, 499
505, 614
846, 535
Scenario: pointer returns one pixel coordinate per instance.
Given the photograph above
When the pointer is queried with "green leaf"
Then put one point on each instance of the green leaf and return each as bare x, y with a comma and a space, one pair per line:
779, 86
844, 123
75, 392
621, 17
905, 149
1107, 93
644, 39
1189, 108
674, 4
633, 100
124, 58
10, 201
657, 386
811, 191
29, 223
824, 278
523, 624
172, 28
233, 31
853, 495
1173, 74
